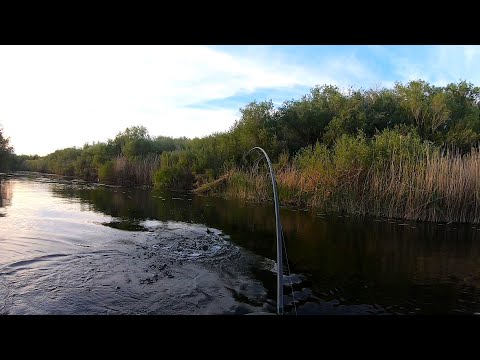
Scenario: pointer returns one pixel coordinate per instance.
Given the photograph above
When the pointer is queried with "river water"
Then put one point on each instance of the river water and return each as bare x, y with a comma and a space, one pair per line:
69, 247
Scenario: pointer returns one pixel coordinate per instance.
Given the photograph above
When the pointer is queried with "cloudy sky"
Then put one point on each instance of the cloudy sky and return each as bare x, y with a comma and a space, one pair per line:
52, 97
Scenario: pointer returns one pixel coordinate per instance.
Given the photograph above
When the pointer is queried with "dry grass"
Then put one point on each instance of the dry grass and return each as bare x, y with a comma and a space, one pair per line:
136, 172
220, 182
439, 187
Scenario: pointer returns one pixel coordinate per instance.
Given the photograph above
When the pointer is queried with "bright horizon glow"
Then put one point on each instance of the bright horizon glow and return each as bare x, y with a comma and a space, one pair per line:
53, 97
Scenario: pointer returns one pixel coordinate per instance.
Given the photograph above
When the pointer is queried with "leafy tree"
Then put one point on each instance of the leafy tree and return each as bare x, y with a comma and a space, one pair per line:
6, 152
344, 124
413, 97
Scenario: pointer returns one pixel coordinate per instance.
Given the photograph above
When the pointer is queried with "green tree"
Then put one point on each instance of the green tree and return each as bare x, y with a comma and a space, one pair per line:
256, 126
6, 152
414, 98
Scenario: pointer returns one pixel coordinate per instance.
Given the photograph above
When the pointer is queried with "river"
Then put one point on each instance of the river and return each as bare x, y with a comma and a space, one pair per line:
70, 247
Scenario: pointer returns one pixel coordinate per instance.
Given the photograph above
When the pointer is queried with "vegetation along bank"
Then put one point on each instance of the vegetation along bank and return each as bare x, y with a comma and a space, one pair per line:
410, 151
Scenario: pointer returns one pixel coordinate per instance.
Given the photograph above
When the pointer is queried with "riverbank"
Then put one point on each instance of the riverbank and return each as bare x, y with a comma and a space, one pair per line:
409, 152
431, 186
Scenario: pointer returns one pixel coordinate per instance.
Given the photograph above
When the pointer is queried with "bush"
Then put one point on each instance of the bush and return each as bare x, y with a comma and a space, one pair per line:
403, 143
106, 173
173, 178
351, 153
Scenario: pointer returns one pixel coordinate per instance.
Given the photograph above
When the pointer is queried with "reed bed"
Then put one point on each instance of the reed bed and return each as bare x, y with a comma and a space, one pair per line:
139, 171
431, 186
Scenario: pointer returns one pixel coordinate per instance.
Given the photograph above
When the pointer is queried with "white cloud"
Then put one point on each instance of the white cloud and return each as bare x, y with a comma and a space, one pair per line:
58, 96
53, 97
456, 62
437, 65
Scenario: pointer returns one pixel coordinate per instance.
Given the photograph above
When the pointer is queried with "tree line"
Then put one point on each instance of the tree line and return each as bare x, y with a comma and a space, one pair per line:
447, 117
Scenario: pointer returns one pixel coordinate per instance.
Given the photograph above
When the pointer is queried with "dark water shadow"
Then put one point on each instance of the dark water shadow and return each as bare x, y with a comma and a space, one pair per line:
381, 264
125, 225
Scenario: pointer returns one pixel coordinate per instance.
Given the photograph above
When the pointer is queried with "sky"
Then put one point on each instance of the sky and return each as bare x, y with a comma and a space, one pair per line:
53, 97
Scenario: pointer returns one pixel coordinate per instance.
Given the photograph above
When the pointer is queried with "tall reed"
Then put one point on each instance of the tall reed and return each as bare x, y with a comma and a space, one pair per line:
130, 172
427, 185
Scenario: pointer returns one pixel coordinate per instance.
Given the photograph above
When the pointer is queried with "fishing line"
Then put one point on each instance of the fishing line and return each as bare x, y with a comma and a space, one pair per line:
289, 273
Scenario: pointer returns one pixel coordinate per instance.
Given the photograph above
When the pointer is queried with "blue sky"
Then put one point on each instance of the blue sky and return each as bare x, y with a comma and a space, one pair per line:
54, 97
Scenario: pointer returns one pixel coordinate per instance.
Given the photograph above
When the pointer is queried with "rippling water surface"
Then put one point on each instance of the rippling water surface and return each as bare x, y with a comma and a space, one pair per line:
68, 247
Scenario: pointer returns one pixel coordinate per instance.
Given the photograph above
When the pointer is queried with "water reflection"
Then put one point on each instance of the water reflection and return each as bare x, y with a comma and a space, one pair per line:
60, 256
5, 195
350, 264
